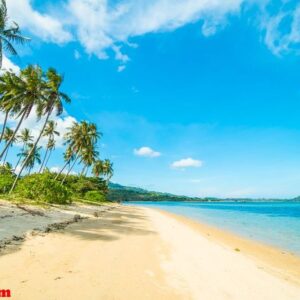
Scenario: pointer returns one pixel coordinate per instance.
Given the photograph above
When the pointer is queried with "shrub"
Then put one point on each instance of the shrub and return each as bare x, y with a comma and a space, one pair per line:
94, 196
42, 187
6, 182
6, 170
81, 185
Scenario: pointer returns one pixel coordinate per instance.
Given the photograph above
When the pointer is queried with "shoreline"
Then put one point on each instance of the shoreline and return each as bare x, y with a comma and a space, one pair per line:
278, 261
135, 253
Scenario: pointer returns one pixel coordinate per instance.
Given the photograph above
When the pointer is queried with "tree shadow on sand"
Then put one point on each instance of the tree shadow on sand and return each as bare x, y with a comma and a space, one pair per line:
112, 225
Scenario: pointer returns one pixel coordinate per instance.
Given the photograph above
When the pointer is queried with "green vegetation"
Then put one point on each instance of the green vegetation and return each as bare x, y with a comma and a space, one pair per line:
34, 91
119, 193
43, 188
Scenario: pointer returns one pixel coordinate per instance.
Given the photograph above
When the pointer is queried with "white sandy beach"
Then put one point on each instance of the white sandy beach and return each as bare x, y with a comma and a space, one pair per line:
139, 253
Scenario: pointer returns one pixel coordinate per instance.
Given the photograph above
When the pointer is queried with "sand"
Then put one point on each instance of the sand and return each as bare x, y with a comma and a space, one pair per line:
142, 253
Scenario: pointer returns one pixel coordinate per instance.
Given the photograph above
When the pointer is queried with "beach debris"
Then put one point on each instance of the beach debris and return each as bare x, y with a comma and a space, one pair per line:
31, 211
57, 278
96, 214
76, 218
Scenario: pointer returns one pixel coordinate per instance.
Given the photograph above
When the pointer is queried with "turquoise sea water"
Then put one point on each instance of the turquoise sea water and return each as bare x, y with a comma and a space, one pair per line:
273, 223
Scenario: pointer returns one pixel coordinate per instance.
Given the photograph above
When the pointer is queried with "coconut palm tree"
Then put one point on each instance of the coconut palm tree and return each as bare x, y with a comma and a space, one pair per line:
8, 133
27, 90
51, 100
80, 136
9, 33
49, 132
108, 169
8, 104
88, 157
49, 148
69, 156
34, 157
25, 137
97, 169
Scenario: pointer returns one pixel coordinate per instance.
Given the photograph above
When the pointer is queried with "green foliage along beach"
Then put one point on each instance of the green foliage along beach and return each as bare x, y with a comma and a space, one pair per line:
35, 91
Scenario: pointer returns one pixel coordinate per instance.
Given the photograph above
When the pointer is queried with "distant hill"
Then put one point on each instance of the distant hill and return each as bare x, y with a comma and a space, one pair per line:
120, 193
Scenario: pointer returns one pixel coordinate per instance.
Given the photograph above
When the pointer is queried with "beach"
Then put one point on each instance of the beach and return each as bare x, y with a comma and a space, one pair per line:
128, 252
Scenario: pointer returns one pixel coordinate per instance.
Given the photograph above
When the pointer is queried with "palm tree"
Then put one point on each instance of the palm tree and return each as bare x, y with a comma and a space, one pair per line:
52, 99
27, 90
25, 137
97, 169
9, 33
88, 157
8, 133
34, 157
108, 169
69, 156
50, 147
8, 103
80, 136
49, 132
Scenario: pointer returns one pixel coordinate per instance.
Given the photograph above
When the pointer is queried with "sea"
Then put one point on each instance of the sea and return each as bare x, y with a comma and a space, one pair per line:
273, 223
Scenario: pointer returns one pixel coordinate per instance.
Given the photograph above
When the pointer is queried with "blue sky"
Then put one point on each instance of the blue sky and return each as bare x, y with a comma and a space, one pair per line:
210, 92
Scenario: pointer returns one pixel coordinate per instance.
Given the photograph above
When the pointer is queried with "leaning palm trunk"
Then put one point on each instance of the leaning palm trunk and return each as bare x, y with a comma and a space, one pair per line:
65, 165
18, 162
83, 170
30, 153
13, 136
47, 160
5, 157
44, 160
1, 54
70, 169
4, 125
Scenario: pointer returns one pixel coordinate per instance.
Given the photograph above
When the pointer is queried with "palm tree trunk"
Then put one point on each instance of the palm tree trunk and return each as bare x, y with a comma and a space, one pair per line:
65, 165
30, 153
44, 160
18, 162
86, 171
83, 170
5, 156
1, 54
23, 149
46, 163
13, 136
4, 125
70, 169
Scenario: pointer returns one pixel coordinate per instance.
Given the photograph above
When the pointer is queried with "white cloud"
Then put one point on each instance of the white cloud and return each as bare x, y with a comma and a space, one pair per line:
77, 54
63, 123
111, 23
187, 163
146, 151
119, 55
45, 26
101, 24
57, 169
103, 27
8, 65
121, 68
282, 31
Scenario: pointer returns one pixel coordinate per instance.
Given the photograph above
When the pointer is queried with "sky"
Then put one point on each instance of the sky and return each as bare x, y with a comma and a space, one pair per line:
193, 97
